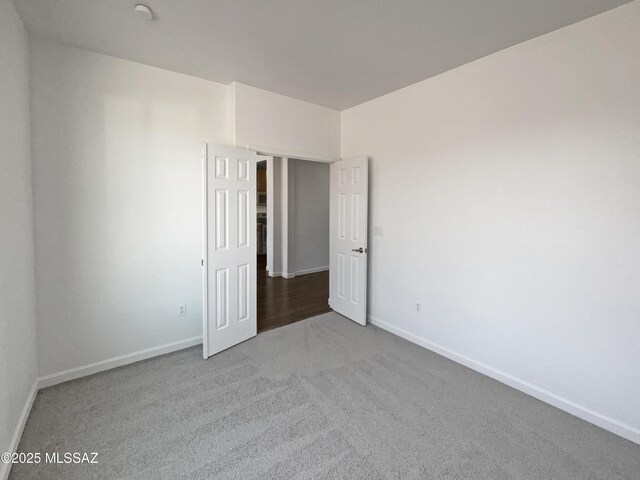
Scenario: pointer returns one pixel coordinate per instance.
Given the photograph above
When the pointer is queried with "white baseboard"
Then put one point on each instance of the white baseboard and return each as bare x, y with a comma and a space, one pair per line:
298, 273
591, 416
73, 373
312, 270
5, 468
83, 371
282, 274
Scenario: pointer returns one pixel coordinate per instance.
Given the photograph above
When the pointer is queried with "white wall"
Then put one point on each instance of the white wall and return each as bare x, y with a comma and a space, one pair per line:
508, 190
273, 123
117, 184
298, 216
280, 217
274, 211
18, 354
311, 216
287, 216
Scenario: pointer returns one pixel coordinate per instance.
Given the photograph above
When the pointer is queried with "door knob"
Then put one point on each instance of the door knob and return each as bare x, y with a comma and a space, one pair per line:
360, 250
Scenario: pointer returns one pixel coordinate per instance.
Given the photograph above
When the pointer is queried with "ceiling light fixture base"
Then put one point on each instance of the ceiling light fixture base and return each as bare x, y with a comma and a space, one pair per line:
144, 10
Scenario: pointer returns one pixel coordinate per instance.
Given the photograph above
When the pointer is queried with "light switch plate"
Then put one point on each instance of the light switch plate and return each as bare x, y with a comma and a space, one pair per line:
378, 231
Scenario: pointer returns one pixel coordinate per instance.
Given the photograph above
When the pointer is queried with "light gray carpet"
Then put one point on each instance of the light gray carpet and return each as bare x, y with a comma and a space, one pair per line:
323, 398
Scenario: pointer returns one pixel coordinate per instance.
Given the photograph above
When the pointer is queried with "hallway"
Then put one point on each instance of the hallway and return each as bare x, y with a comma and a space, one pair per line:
282, 301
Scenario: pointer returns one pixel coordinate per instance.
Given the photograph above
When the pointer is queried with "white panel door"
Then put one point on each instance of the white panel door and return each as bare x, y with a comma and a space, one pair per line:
348, 238
229, 247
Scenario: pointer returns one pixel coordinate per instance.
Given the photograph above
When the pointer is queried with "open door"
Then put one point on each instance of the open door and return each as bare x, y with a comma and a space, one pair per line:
229, 247
349, 205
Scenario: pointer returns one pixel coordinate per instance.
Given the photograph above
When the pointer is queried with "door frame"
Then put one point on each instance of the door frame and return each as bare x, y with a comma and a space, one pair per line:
205, 252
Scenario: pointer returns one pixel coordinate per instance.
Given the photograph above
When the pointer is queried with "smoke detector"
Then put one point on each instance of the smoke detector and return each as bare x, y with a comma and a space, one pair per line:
144, 11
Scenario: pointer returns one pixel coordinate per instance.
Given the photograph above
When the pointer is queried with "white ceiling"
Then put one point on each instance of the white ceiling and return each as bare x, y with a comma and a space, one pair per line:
336, 53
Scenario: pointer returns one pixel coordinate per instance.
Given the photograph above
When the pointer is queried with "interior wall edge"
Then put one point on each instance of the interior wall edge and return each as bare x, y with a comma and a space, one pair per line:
5, 468
18, 345
603, 421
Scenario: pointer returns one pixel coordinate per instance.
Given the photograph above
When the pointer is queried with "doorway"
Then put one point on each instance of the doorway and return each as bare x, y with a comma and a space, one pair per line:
292, 208
230, 250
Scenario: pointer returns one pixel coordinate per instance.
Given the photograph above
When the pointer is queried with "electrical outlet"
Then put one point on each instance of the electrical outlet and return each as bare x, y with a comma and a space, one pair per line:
182, 310
419, 307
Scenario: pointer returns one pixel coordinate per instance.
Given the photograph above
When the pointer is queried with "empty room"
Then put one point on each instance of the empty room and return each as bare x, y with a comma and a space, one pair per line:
319, 239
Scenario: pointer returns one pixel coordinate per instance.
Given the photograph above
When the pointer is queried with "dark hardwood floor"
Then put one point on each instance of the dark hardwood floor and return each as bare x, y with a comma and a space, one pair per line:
282, 301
